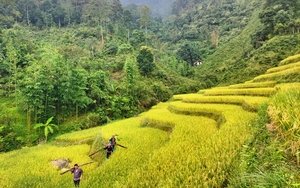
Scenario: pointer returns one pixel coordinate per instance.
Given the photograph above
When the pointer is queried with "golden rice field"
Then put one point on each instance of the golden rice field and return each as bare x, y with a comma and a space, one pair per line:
217, 88
290, 59
247, 91
284, 67
288, 86
277, 75
197, 152
192, 141
250, 103
30, 167
253, 85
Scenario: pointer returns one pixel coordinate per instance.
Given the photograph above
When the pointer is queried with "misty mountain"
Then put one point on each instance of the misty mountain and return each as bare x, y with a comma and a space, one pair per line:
161, 7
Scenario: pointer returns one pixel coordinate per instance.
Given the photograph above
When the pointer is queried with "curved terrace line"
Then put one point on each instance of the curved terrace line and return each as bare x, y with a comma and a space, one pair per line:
209, 113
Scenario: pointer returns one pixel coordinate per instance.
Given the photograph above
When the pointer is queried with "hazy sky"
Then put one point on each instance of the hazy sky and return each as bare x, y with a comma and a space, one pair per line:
162, 7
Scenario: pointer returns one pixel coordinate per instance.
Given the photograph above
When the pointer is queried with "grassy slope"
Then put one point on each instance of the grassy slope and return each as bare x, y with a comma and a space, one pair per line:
229, 54
237, 61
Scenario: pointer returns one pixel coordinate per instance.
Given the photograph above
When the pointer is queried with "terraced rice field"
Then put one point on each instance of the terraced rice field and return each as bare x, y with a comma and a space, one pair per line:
191, 141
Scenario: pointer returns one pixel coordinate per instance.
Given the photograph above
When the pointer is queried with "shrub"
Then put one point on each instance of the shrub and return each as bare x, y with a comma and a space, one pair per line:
111, 48
125, 48
145, 60
9, 140
93, 120
162, 92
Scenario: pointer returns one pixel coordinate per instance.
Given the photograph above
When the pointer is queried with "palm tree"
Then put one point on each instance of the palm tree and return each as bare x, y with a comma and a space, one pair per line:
47, 127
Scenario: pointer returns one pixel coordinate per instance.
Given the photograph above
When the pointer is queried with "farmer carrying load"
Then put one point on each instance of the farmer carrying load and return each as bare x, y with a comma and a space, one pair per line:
113, 142
77, 174
108, 150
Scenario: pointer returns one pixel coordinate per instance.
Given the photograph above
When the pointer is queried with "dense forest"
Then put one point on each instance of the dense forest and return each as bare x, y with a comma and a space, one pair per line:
94, 61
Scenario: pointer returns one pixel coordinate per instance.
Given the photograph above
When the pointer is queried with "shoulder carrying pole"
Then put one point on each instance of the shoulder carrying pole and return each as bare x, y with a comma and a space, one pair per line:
73, 167
96, 151
121, 145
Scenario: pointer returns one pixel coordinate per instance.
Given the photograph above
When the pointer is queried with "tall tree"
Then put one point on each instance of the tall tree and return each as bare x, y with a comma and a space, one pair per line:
189, 52
117, 11
6, 14
215, 37
144, 19
97, 12
12, 61
58, 14
127, 20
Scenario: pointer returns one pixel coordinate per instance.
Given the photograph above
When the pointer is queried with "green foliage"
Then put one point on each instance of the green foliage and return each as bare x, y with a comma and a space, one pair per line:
125, 48
138, 39
189, 52
145, 60
211, 23
229, 62
13, 133
284, 114
258, 37
48, 127
111, 48
276, 49
144, 12
279, 17
9, 139
162, 93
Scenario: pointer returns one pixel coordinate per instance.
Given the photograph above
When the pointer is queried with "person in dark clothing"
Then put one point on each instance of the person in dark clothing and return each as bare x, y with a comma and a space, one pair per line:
78, 172
113, 142
108, 150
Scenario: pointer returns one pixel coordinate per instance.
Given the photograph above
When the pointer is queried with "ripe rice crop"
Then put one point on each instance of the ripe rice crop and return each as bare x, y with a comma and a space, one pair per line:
198, 154
30, 167
203, 90
284, 67
279, 76
288, 86
249, 91
253, 85
250, 103
248, 82
183, 96
35, 162
290, 59
79, 136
